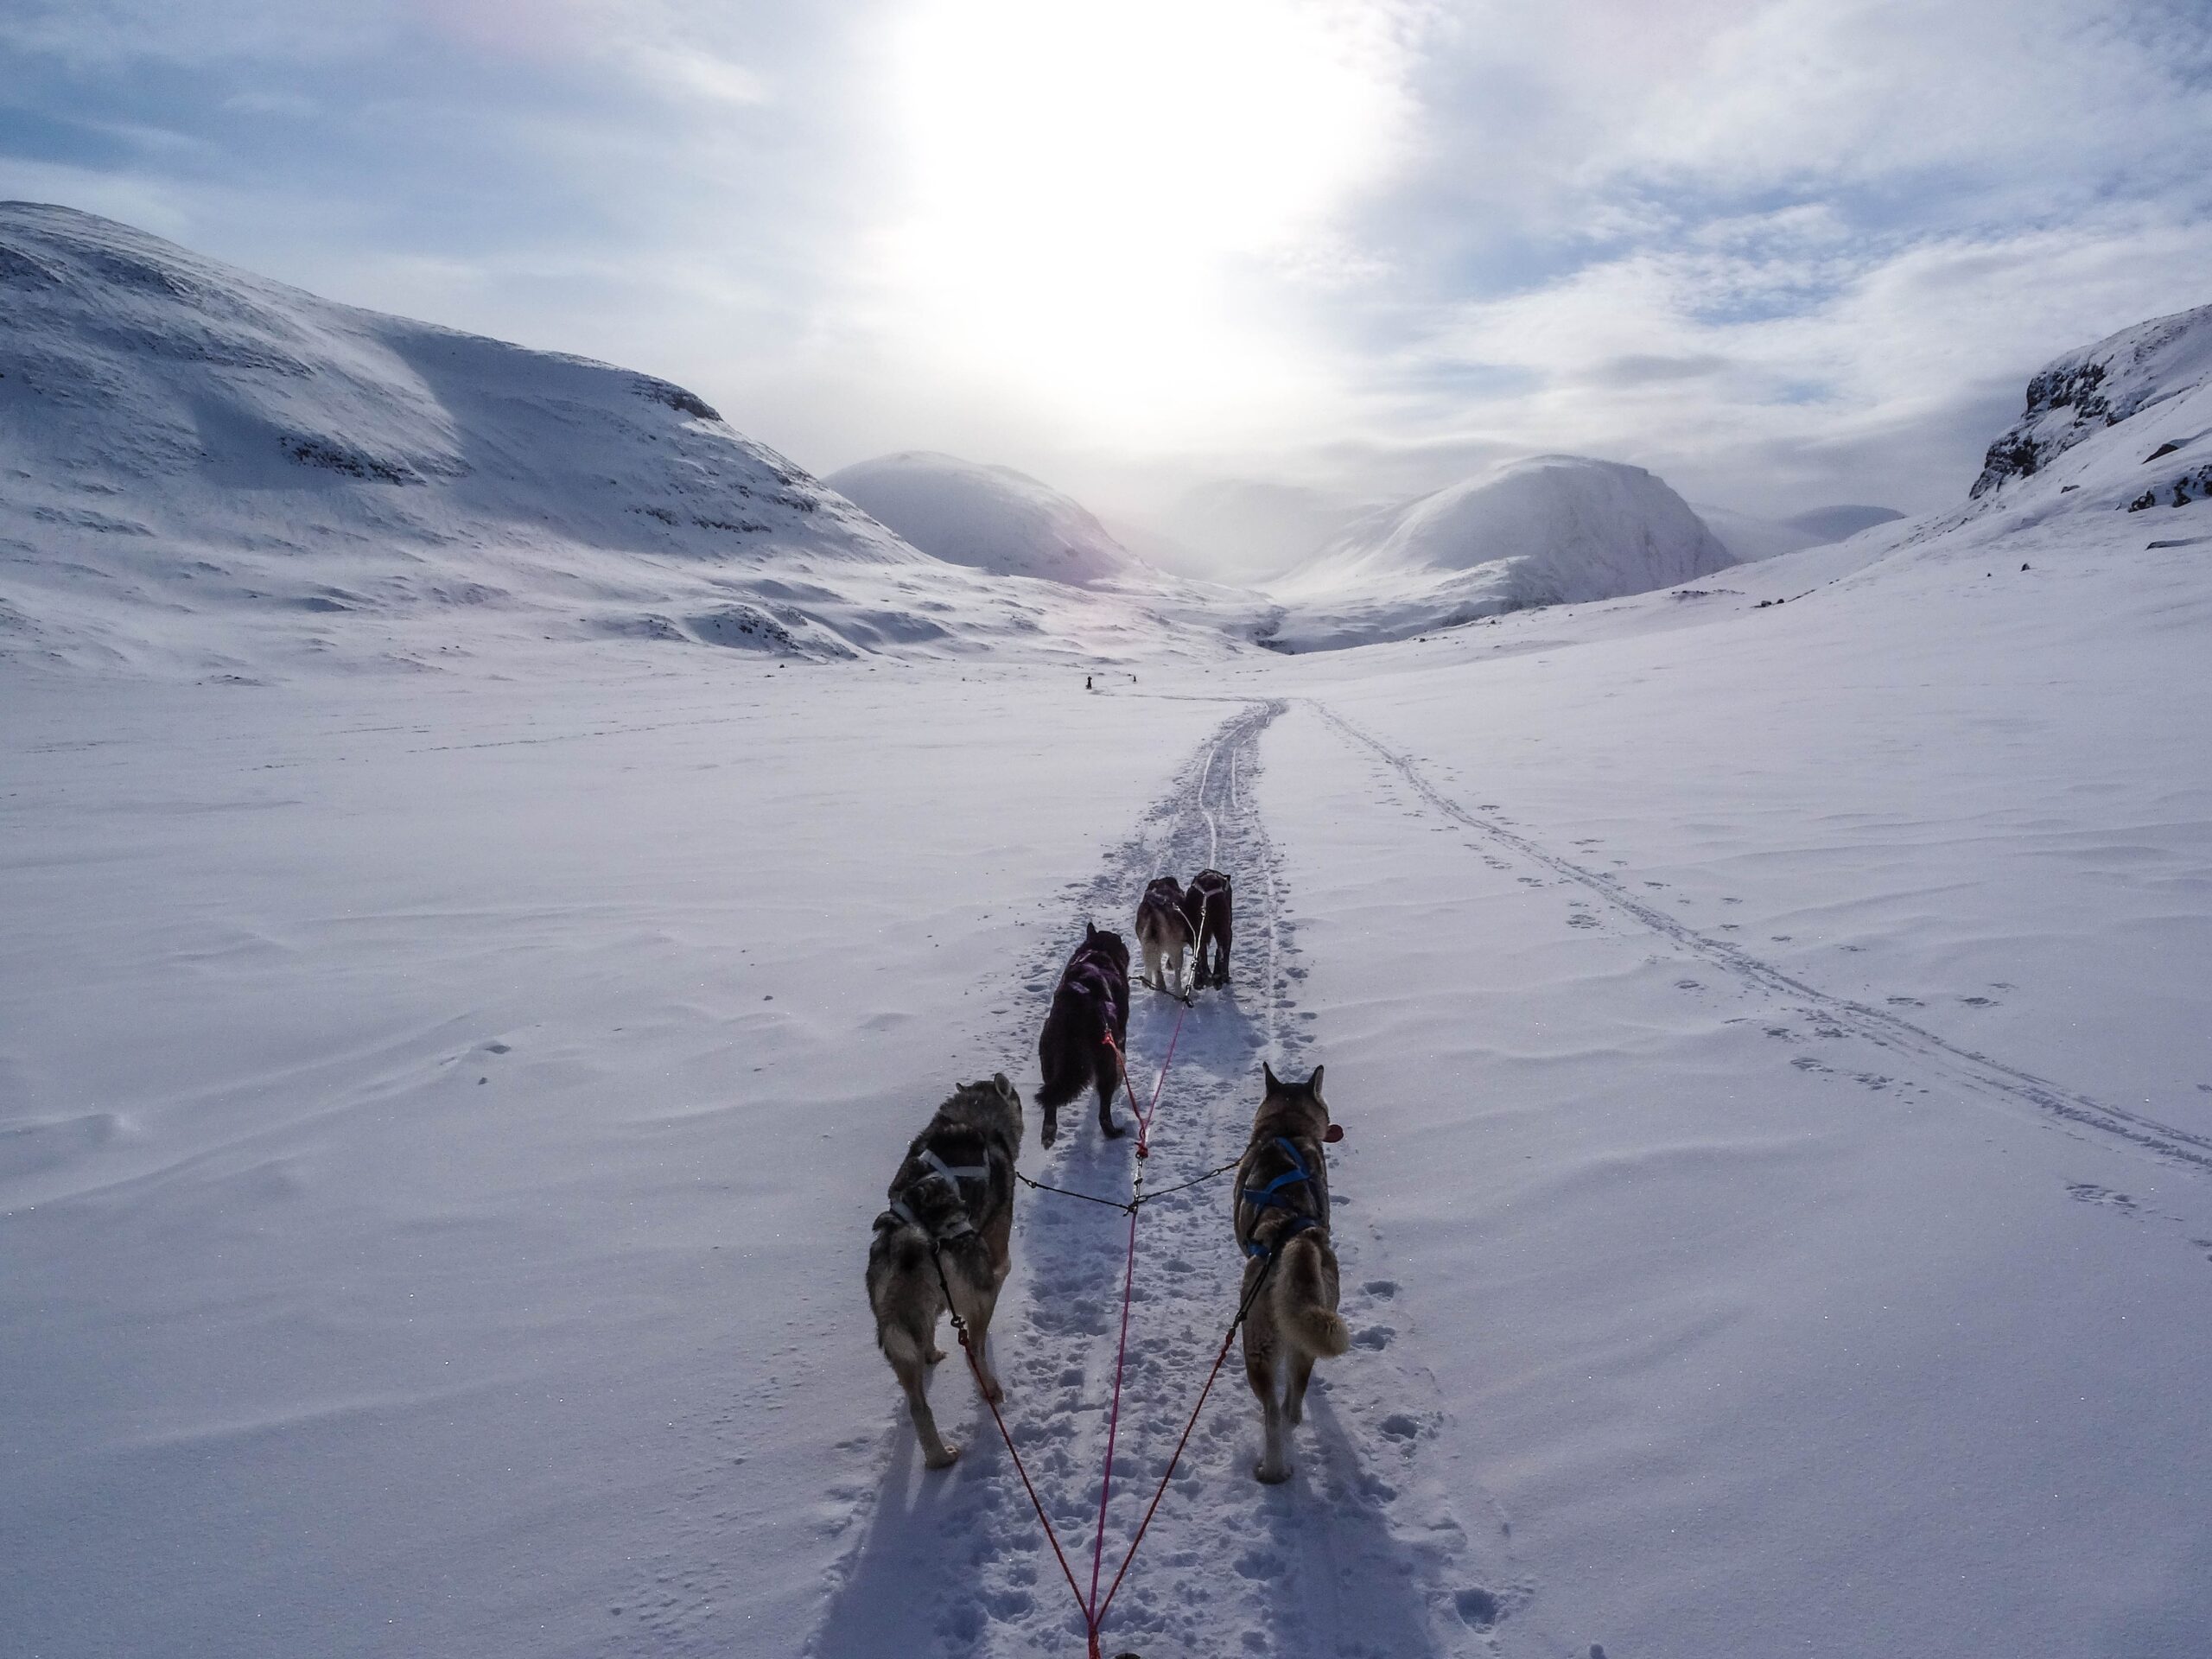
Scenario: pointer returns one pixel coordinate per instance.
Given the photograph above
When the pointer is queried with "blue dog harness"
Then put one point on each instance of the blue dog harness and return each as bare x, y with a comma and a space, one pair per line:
1272, 1197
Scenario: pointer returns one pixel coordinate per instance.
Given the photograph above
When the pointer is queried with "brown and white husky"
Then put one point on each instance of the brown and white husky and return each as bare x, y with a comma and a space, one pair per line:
1164, 934
949, 1227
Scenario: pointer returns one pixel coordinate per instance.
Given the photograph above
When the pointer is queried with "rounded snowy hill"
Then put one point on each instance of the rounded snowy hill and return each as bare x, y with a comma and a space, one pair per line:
201, 469
991, 517
1549, 530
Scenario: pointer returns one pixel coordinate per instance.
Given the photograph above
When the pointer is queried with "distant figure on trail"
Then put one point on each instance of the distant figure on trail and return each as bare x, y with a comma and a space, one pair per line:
1086, 683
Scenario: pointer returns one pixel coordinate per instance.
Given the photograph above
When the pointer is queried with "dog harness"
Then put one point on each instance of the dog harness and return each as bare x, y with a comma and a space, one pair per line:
1291, 1229
1272, 1197
952, 1175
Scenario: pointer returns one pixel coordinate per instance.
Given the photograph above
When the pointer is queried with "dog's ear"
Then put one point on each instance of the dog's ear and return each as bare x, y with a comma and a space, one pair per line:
1313, 1084
1267, 1072
1090, 932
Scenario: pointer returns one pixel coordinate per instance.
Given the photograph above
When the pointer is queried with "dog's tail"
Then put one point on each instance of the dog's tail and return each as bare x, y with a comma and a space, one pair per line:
1305, 1300
903, 1248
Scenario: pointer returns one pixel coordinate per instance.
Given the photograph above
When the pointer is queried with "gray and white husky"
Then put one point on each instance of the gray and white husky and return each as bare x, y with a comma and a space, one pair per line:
949, 1226
1281, 1217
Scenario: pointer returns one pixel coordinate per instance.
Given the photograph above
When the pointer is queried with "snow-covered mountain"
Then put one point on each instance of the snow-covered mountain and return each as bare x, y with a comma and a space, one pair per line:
2154, 379
204, 470
1549, 530
991, 517
1004, 522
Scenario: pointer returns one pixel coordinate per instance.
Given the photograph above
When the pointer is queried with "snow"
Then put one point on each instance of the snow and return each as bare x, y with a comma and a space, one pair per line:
2154, 374
992, 517
442, 1113
1546, 531
203, 472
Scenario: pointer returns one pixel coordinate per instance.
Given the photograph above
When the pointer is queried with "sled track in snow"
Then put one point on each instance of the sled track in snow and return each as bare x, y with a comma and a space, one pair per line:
1975, 1072
1358, 1554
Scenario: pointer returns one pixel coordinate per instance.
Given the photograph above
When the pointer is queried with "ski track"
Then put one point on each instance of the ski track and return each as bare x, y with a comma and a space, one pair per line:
1976, 1073
1359, 1554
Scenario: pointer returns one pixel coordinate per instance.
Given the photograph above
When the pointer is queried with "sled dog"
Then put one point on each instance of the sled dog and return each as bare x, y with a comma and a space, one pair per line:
1206, 908
1164, 933
951, 1200
1090, 1005
1281, 1217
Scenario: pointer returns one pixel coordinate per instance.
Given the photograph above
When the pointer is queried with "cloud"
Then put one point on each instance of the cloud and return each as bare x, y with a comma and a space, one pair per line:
1643, 369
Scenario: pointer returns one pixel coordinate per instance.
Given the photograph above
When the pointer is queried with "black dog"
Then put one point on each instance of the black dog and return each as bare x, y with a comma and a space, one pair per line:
1206, 904
1090, 1005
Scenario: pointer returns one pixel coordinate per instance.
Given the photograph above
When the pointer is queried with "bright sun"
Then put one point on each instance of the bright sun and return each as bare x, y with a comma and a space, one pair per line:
1097, 192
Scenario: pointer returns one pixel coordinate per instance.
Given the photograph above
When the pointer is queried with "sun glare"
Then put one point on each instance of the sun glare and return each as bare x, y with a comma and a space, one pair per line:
1097, 194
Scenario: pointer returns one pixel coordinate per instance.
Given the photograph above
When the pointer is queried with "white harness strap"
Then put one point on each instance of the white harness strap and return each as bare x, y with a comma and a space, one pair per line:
939, 1170
965, 1172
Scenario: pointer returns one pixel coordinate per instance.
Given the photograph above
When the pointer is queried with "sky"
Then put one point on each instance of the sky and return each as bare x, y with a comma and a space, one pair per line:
1783, 253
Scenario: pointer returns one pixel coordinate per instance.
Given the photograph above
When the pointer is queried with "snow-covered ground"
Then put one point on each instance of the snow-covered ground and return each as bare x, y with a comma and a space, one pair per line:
443, 1121
442, 1113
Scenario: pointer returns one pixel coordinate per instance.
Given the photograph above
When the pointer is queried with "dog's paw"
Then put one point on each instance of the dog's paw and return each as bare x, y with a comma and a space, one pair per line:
1048, 1132
951, 1456
1270, 1476
933, 1356
1111, 1131
992, 1390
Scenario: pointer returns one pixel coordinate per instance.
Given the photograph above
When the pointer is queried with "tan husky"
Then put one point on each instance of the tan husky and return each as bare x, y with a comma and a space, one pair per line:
1164, 934
949, 1226
1281, 1217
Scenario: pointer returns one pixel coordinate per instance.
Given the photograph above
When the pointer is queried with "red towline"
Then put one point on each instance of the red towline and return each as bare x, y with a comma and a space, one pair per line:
1091, 1607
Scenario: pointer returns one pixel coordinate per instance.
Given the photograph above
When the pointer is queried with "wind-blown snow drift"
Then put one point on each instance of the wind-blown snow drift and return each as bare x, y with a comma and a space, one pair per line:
1547, 531
992, 517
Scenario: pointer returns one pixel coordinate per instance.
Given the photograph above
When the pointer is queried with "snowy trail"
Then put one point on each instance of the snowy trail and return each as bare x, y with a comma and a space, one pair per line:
1979, 1074
1359, 1553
